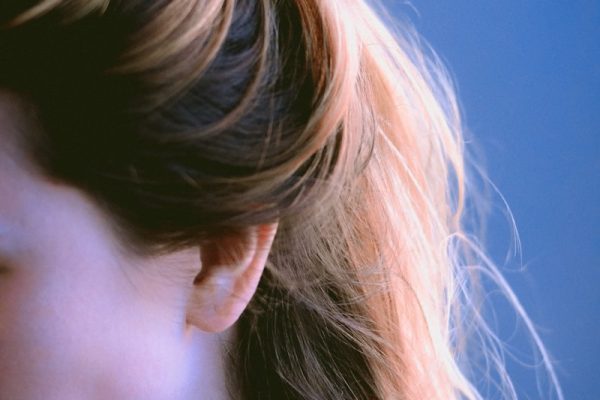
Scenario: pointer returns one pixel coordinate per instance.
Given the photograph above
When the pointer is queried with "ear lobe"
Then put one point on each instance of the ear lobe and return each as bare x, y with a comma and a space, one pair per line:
231, 270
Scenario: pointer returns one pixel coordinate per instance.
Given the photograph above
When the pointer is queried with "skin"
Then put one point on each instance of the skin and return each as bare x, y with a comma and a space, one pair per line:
81, 318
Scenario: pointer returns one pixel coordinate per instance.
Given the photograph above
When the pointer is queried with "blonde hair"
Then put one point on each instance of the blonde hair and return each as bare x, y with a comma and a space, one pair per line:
206, 117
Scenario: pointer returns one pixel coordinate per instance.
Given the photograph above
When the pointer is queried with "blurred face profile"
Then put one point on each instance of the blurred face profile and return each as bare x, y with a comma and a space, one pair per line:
79, 317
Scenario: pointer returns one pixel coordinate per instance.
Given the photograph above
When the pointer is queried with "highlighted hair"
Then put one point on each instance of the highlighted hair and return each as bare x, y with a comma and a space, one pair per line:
188, 120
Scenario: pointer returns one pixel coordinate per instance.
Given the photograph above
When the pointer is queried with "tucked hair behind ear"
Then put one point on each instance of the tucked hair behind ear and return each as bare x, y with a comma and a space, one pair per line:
188, 120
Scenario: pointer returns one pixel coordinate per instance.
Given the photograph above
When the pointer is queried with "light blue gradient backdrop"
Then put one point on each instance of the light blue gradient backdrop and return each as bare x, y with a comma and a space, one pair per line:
528, 75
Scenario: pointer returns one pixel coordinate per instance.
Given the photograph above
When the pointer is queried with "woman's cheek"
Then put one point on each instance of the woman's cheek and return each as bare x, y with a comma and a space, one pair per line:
29, 358
82, 333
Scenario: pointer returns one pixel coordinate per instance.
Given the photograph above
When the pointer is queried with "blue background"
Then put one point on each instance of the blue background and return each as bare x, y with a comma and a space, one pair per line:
528, 77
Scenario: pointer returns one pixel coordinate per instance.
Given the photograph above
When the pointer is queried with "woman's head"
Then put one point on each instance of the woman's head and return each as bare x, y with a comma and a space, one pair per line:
258, 198
80, 318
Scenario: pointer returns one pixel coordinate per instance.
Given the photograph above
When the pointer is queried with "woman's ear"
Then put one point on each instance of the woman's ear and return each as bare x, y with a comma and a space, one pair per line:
231, 269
